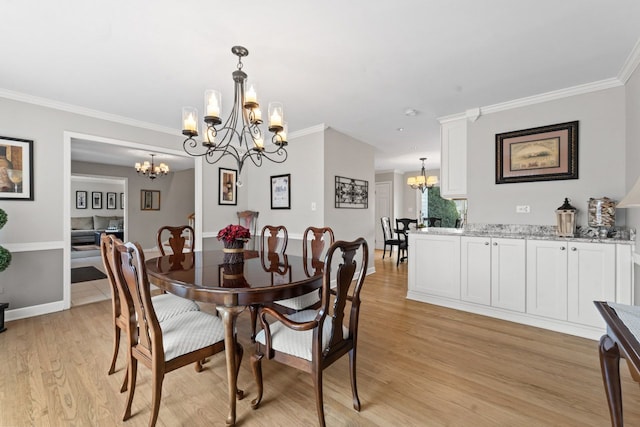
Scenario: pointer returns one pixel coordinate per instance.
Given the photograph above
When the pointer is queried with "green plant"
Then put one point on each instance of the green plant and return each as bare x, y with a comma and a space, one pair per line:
442, 208
3, 218
5, 258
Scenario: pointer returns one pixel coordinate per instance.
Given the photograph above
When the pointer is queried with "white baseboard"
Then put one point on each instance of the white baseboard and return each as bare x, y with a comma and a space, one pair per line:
35, 310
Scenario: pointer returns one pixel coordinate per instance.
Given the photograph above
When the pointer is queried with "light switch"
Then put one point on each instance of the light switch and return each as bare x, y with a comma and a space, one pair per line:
313, 206
523, 209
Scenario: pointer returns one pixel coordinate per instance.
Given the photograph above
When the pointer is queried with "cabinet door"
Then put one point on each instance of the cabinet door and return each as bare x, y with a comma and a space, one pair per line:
508, 274
547, 278
434, 265
453, 167
475, 270
591, 276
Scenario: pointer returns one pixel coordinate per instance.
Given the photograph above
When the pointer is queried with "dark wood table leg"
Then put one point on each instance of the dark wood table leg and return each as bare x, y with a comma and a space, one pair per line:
229, 315
610, 366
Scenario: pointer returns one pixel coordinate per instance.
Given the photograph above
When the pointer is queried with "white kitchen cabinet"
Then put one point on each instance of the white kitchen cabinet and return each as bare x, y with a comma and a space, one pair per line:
564, 278
508, 274
434, 265
591, 276
547, 278
475, 270
453, 164
493, 272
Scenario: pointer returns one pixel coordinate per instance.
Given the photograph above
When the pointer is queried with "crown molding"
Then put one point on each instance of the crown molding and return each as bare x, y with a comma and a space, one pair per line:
308, 131
56, 105
553, 95
630, 65
540, 98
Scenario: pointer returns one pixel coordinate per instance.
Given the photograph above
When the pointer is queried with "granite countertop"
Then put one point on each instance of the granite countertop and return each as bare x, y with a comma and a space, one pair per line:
619, 235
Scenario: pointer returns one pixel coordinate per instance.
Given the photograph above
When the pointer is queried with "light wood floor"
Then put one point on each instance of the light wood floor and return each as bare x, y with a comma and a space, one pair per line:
418, 365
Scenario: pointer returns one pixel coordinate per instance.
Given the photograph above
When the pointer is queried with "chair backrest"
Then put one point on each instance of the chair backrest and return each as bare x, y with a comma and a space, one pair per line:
337, 290
107, 247
386, 228
402, 224
179, 236
314, 241
132, 270
274, 238
433, 221
249, 219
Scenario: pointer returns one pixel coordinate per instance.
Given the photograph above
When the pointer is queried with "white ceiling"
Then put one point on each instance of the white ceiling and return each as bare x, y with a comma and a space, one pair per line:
356, 65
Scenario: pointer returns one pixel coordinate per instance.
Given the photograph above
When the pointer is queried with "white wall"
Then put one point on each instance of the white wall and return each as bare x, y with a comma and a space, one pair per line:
348, 157
601, 165
92, 185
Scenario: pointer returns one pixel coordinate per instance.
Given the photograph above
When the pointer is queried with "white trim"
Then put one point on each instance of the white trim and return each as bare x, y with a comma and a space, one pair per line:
34, 246
128, 144
57, 105
308, 131
512, 316
540, 98
34, 310
636, 258
630, 65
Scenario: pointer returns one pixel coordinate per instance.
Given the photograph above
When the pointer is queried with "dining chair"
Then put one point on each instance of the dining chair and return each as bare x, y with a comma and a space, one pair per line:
388, 236
166, 305
314, 242
180, 239
249, 219
273, 243
402, 230
311, 340
183, 339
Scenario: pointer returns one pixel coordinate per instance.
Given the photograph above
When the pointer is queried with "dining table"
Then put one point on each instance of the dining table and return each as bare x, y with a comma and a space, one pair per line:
261, 278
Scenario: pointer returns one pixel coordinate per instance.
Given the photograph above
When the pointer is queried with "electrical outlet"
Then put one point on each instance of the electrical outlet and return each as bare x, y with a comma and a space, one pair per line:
523, 209
1, 289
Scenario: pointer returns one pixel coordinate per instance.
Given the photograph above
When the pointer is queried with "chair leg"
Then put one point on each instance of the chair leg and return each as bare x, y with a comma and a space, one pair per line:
256, 365
125, 380
239, 353
116, 347
253, 310
354, 386
133, 371
384, 250
156, 394
317, 382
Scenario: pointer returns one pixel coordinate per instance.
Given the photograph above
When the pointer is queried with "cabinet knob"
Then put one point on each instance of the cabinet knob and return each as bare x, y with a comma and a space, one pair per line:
486, 243
495, 243
574, 249
562, 248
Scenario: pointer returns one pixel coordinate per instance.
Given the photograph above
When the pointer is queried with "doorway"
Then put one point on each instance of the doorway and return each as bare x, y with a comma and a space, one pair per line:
383, 208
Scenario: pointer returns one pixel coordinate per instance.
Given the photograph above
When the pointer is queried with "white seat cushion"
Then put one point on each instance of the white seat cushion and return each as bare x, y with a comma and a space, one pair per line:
167, 306
301, 302
298, 343
190, 331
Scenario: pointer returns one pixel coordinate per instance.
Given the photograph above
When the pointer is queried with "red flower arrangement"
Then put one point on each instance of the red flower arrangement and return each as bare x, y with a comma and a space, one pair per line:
233, 232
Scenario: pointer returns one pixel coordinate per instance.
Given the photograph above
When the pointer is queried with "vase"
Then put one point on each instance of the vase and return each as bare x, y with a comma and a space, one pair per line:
233, 252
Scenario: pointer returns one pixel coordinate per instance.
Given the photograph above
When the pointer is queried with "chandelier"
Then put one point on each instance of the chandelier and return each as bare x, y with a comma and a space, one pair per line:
422, 181
240, 136
151, 170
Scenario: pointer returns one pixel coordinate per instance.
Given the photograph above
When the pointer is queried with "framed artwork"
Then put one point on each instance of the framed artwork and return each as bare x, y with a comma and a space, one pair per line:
16, 169
227, 181
81, 200
96, 200
352, 193
112, 200
281, 191
121, 200
149, 200
545, 153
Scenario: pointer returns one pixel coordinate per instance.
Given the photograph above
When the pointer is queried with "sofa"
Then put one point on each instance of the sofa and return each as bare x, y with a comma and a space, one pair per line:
83, 228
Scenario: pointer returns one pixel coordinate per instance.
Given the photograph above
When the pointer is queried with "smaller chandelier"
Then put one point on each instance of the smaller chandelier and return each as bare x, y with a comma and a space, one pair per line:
422, 181
151, 169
